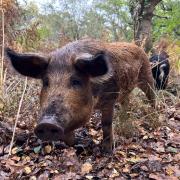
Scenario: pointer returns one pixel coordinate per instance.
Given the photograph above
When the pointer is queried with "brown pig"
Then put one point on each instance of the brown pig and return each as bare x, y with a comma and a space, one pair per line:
77, 74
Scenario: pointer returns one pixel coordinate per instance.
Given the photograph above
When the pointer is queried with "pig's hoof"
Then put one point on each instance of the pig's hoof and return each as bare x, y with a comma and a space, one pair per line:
106, 152
106, 149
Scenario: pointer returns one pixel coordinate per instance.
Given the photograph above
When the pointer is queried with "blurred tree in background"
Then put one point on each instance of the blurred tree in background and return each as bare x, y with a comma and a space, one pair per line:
12, 16
54, 23
167, 19
142, 12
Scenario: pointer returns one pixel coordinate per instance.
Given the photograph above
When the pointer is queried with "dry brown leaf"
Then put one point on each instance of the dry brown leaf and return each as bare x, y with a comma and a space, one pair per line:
1, 105
14, 150
93, 132
156, 176
47, 149
134, 159
145, 137
27, 170
44, 176
89, 177
67, 176
32, 178
174, 138
159, 147
126, 169
134, 175
121, 153
169, 171
86, 168
26, 158
144, 168
177, 157
114, 174
16, 158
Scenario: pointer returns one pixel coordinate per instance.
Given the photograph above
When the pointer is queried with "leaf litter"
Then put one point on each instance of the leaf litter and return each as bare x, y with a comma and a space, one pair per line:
150, 154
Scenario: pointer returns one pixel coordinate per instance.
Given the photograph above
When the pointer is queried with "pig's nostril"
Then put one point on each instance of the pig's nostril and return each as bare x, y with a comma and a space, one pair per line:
54, 131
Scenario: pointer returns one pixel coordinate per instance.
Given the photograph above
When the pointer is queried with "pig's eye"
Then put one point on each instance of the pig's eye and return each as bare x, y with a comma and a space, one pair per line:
76, 83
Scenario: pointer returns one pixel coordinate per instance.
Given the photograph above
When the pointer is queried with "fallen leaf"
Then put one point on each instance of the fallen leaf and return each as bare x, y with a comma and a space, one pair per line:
93, 132
169, 171
37, 149
27, 170
14, 150
114, 174
132, 153
134, 175
43, 164
54, 171
177, 117
172, 149
154, 157
176, 170
89, 177
32, 178
86, 168
177, 157
47, 149
44, 176
110, 165
174, 138
67, 176
134, 159
126, 169
26, 158
159, 147
156, 176
96, 141
154, 166
1, 105
121, 153
145, 137
144, 168
16, 158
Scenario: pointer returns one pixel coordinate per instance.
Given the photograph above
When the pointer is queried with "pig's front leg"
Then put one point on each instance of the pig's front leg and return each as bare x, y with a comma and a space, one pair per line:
107, 116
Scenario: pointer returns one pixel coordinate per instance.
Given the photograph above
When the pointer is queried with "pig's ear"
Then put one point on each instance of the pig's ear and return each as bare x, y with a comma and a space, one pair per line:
31, 65
97, 67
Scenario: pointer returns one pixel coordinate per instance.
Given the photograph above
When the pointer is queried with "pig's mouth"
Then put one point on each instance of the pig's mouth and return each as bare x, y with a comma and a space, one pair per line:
49, 130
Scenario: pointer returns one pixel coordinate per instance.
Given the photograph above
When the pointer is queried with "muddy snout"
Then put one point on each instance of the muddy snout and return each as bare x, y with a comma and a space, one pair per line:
49, 130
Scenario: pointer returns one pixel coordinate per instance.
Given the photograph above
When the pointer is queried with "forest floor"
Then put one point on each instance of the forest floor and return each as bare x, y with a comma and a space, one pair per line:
152, 152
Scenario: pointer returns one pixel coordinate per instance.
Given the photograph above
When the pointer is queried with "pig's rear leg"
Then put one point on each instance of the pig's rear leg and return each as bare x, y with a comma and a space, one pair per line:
146, 82
107, 116
147, 86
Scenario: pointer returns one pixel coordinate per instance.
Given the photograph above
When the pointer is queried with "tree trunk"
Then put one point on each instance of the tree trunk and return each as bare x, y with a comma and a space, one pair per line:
142, 13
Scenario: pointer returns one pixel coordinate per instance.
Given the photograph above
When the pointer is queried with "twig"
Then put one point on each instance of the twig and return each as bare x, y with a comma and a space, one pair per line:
162, 17
17, 116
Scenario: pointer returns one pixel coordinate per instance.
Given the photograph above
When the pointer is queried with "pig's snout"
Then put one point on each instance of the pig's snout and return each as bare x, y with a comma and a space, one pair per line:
49, 130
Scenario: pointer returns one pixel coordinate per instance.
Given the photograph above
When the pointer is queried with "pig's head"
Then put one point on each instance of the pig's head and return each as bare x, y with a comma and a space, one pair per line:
66, 95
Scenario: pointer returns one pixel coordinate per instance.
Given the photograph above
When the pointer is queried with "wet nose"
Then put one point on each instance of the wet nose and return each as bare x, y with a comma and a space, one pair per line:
49, 130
